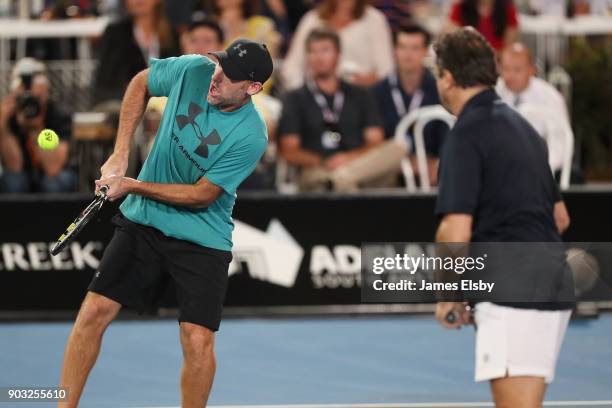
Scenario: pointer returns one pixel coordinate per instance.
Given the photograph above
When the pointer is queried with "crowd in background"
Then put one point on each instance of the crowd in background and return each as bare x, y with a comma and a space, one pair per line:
346, 72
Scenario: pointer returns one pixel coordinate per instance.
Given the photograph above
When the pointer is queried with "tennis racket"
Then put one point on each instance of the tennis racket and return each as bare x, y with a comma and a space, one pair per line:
80, 221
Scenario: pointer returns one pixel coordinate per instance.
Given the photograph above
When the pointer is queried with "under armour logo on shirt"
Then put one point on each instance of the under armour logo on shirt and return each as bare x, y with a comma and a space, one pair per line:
212, 139
252, 74
193, 111
190, 119
242, 53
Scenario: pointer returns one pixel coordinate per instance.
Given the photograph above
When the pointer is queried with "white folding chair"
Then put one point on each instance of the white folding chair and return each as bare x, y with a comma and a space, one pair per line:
419, 118
285, 178
560, 79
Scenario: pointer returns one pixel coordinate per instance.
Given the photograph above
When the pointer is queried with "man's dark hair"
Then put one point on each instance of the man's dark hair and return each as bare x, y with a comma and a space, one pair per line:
319, 34
467, 56
207, 23
413, 29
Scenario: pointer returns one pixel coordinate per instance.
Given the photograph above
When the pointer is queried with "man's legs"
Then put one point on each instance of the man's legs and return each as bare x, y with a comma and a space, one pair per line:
83, 345
378, 167
198, 364
313, 179
517, 351
524, 392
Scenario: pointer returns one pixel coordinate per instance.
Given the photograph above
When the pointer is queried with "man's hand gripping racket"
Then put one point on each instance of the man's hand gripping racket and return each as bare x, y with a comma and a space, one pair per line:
80, 221
453, 315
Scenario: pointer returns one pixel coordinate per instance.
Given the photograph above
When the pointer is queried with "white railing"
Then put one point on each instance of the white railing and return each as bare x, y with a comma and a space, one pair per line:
70, 80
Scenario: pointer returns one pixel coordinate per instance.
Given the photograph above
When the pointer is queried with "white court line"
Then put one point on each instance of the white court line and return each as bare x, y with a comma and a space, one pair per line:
416, 405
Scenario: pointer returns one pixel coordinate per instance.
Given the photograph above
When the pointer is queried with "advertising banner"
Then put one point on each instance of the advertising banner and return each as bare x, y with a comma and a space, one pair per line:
288, 250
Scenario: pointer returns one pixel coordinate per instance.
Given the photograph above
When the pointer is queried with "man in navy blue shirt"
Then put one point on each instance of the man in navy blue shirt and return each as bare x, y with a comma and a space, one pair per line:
495, 185
412, 86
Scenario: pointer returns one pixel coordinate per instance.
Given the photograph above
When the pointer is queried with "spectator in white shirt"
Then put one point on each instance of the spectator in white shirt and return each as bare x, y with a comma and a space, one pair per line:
365, 36
539, 102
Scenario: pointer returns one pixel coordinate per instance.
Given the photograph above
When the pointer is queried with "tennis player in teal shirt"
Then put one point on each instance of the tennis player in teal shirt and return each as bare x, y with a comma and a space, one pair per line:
176, 221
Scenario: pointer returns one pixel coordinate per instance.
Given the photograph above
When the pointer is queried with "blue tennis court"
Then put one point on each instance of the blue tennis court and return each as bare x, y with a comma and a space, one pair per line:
391, 361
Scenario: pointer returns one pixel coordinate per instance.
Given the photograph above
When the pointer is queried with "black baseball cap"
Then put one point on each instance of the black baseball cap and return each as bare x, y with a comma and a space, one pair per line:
245, 60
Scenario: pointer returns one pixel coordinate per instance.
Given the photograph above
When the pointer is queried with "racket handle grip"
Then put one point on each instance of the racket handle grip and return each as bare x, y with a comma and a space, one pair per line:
104, 189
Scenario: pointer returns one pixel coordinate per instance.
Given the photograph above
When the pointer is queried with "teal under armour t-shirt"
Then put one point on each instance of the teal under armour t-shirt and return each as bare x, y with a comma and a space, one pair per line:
196, 140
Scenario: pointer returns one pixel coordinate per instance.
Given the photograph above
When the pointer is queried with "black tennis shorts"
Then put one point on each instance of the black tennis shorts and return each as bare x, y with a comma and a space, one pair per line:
139, 261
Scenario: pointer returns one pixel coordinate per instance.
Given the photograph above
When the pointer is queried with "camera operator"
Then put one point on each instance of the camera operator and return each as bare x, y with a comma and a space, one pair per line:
24, 113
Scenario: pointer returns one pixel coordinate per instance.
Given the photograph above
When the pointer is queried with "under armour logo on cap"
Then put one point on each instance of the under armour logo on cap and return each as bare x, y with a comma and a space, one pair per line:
245, 60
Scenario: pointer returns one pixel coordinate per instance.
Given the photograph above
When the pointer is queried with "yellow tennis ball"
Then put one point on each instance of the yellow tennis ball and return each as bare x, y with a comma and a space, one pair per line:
48, 139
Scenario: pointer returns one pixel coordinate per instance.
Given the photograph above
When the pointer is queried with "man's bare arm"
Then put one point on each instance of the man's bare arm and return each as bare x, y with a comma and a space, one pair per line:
132, 110
292, 151
562, 218
455, 228
198, 195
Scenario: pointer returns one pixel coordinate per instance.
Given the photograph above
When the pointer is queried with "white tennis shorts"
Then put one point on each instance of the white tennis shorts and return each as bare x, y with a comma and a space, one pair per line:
517, 342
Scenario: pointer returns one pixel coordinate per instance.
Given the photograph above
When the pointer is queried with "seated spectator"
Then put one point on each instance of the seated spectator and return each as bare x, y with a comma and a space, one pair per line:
24, 114
278, 12
411, 87
367, 54
241, 19
519, 86
180, 13
398, 13
496, 20
294, 10
202, 37
332, 130
127, 45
